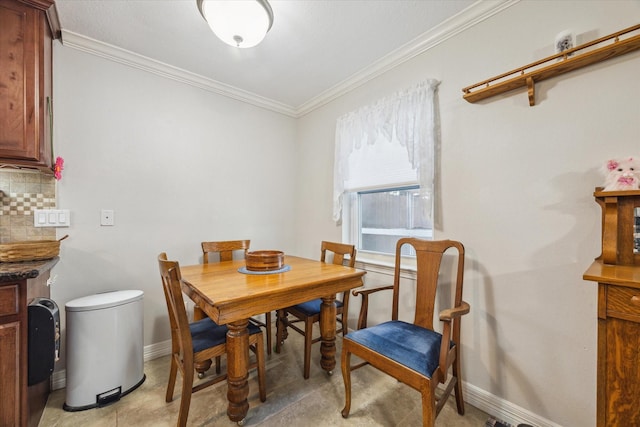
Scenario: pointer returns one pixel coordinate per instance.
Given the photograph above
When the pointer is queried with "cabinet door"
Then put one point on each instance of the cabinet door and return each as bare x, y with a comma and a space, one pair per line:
13, 350
25, 43
622, 373
11, 400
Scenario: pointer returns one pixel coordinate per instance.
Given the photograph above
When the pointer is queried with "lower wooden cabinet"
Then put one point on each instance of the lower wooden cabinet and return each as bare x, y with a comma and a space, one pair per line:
20, 405
618, 372
13, 346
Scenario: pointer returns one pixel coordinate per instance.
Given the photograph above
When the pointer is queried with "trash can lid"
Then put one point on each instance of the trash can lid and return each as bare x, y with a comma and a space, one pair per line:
104, 300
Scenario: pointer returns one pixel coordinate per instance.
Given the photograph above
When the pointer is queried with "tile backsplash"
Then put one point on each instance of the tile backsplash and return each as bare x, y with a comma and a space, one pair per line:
21, 192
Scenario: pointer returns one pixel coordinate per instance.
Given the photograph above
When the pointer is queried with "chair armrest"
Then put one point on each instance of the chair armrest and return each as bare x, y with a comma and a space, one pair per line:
369, 291
364, 308
447, 317
452, 313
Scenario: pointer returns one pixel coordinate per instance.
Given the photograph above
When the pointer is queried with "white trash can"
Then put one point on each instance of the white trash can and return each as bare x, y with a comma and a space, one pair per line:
104, 348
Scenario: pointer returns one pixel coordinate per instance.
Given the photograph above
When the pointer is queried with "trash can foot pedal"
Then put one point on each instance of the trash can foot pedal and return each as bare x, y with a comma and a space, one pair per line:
113, 395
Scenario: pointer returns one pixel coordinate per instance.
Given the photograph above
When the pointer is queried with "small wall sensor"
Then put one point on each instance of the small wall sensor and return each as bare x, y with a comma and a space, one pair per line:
564, 41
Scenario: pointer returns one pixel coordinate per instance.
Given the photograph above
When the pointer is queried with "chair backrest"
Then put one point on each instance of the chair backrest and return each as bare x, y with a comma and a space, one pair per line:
429, 255
180, 334
339, 251
224, 248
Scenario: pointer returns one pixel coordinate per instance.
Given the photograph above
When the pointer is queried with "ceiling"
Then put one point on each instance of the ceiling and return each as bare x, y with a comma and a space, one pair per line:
314, 49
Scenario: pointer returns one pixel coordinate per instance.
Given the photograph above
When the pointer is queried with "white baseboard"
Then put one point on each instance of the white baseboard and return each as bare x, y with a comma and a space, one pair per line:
153, 351
502, 409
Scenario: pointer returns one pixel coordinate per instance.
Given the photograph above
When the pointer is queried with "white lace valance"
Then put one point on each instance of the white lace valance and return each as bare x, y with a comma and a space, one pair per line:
408, 118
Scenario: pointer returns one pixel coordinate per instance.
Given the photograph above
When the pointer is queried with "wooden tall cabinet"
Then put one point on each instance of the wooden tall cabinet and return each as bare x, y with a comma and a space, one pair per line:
617, 272
28, 28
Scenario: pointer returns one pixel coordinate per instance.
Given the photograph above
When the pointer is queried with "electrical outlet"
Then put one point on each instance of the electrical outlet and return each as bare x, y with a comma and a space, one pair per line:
564, 41
107, 217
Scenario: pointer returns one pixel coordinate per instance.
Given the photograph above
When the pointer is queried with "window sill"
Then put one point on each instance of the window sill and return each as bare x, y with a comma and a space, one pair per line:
385, 264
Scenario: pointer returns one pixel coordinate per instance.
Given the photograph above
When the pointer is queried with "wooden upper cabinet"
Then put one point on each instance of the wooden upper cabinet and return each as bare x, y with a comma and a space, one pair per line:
25, 83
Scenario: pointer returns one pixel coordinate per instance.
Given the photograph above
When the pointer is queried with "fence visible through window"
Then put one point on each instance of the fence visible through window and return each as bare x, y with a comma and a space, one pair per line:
388, 215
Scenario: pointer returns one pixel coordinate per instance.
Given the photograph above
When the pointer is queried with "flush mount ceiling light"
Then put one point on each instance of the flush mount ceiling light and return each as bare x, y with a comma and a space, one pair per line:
239, 23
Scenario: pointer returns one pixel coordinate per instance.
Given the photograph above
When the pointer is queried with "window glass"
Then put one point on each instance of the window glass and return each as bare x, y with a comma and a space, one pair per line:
636, 230
381, 217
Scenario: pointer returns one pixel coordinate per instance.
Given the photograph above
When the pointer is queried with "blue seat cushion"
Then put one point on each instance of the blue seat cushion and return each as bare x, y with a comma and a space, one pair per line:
311, 308
410, 345
206, 333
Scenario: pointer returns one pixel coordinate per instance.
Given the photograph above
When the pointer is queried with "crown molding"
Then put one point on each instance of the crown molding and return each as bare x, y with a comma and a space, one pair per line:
472, 15
134, 60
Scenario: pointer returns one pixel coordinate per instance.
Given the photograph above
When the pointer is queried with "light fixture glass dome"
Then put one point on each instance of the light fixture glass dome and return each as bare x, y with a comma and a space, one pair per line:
239, 23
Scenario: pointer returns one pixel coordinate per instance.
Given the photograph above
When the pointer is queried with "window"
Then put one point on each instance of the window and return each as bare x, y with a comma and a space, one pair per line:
384, 169
380, 217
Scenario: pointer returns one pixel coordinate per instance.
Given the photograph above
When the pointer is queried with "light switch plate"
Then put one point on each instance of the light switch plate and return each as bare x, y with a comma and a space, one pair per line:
51, 218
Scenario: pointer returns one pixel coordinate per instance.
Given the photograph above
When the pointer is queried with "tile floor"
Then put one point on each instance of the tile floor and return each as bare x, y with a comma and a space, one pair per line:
377, 400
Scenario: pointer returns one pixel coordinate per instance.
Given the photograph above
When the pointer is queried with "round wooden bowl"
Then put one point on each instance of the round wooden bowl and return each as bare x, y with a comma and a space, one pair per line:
264, 260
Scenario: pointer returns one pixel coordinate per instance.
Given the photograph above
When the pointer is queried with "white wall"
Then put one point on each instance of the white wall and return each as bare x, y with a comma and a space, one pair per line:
515, 186
178, 164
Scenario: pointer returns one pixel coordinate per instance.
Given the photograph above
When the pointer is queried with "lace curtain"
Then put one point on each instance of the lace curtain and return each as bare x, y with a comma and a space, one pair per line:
408, 118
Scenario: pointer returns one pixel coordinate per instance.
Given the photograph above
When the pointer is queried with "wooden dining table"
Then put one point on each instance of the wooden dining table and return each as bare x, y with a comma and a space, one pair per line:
231, 297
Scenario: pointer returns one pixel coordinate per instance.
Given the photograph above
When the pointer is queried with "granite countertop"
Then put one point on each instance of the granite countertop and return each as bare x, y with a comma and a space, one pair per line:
11, 271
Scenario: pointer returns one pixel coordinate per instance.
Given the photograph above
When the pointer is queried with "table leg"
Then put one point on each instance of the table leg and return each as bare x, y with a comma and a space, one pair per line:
328, 333
237, 370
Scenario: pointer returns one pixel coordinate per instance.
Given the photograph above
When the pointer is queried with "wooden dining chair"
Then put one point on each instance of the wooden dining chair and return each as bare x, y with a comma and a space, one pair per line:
309, 312
414, 353
198, 341
225, 251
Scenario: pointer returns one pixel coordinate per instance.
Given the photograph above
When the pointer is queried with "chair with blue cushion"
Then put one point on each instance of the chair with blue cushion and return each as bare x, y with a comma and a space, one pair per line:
309, 312
414, 353
199, 341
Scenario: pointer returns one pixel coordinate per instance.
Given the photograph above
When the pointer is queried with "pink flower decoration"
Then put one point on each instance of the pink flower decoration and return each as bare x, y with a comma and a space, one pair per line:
612, 164
57, 169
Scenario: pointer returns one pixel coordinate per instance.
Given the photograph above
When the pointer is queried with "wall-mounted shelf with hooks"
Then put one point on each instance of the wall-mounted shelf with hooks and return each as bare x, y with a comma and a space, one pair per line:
568, 60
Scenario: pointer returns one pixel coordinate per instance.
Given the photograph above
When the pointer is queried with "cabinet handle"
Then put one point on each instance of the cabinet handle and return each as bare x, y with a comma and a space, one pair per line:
635, 300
